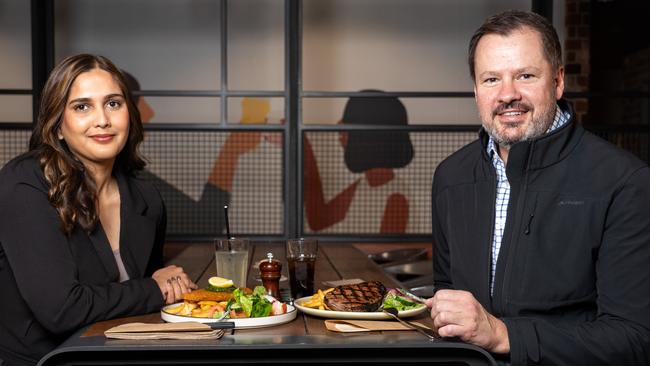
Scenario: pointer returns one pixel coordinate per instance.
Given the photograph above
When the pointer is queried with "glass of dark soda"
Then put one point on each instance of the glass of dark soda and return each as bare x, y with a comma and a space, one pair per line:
301, 257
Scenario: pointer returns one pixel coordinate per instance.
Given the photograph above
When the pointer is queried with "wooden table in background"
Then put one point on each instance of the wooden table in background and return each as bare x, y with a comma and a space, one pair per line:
303, 340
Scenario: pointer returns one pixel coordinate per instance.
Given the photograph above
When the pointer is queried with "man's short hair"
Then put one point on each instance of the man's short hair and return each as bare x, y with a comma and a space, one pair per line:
512, 20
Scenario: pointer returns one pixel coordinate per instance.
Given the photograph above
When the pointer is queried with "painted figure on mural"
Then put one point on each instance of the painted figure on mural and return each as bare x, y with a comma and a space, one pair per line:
374, 202
204, 216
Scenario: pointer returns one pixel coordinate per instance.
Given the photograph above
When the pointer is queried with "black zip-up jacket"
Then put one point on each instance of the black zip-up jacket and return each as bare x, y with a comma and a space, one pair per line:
572, 281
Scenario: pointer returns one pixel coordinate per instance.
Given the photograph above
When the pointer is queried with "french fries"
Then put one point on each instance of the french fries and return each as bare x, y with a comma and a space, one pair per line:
184, 308
195, 309
317, 300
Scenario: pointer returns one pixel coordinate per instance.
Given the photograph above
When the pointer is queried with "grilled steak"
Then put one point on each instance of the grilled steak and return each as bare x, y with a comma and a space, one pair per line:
365, 296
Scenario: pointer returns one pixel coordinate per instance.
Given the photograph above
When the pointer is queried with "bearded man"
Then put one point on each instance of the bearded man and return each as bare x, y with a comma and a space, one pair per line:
541, 230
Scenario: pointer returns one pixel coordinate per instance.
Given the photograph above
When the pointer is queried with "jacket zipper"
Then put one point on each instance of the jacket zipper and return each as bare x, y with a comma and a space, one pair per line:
491, 236
490, 239
531, 215
515, 233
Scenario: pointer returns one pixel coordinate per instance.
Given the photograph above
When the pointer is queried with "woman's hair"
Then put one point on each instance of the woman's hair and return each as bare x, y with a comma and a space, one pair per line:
509, 21
71, 191
370, 149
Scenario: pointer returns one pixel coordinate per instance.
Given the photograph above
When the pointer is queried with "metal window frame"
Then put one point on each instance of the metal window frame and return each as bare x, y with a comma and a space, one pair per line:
42, 42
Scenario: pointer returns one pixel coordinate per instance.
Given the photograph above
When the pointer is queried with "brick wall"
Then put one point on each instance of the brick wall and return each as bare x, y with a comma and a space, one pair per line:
636, 76
576, 52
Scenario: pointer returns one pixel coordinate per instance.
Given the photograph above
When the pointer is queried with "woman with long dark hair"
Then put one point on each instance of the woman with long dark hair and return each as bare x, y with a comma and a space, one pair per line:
80, 237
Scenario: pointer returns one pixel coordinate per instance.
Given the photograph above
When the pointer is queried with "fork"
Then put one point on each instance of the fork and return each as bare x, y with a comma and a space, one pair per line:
394, 314
221, 323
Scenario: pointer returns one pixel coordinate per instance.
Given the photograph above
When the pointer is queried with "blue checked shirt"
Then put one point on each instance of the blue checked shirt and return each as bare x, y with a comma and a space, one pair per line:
503, 192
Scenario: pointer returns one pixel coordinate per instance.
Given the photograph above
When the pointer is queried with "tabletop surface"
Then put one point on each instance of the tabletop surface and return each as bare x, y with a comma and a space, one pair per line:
304, 337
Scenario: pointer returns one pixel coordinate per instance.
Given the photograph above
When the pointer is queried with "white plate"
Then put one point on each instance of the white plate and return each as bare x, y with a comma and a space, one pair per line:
375, 315
240, 323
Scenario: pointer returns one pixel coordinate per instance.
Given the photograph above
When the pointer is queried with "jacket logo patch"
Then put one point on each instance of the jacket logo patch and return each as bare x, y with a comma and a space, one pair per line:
570, 203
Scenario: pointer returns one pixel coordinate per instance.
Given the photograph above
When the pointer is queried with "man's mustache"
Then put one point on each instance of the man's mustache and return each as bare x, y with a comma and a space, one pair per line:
522, 106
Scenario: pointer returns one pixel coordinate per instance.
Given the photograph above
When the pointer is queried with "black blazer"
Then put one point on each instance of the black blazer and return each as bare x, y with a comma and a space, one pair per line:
52, 284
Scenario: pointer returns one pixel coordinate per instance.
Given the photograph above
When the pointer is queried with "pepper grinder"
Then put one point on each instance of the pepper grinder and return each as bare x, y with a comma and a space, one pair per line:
270, 272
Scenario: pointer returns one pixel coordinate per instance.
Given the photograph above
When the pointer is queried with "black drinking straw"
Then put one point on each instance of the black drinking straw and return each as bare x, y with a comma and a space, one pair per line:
225, 210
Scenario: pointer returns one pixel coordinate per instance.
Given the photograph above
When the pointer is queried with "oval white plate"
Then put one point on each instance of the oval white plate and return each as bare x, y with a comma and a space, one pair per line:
374, 315
240, 323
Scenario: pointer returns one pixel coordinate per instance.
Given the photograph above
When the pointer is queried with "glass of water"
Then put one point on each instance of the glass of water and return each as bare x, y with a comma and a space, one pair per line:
232, 259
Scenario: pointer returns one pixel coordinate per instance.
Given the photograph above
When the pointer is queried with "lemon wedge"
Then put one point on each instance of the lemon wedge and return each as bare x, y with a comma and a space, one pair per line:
220, 282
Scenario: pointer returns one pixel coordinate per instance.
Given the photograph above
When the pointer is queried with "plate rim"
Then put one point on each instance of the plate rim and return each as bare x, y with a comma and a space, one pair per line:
372, 315
266, 321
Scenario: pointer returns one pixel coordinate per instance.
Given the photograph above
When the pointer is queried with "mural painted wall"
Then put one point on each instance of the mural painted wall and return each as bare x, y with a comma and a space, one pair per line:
348, 45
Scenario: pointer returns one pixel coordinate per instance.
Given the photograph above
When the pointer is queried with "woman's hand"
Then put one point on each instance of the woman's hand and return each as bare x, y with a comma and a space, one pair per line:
173, 283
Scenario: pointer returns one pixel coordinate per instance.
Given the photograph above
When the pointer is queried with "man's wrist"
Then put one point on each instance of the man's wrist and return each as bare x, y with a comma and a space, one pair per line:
502, 344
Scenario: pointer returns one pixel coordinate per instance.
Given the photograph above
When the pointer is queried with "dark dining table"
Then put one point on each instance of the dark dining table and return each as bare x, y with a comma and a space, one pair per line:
302, 340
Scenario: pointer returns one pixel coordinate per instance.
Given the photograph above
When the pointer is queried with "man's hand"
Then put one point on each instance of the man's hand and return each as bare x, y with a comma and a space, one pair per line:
458, 314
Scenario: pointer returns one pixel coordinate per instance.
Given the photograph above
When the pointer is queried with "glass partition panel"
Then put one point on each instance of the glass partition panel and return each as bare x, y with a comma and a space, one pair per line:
373, 182
13, 143
15, 108
15, 45
256, 45
180, 109
198, 172
165, 44
255, 110
403, 45
437, 111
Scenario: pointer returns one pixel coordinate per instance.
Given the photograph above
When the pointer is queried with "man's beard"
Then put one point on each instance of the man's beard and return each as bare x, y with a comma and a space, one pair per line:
536, 128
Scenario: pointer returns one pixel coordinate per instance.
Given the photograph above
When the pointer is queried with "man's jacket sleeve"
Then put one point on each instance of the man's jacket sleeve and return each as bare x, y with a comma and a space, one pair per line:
441, 264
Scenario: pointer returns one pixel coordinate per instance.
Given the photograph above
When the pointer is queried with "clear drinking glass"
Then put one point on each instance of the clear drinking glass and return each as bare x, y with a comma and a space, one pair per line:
231, 256
301, 257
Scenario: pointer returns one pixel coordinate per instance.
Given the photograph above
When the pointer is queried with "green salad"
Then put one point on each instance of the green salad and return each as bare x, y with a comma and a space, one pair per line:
399, 303
254, 305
